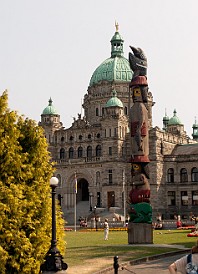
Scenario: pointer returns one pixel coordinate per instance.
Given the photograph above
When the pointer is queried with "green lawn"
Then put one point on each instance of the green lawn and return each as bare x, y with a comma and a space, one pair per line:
83, 246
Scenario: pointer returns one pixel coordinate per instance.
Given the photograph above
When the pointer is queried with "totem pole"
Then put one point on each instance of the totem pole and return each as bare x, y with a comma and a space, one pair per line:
140, 211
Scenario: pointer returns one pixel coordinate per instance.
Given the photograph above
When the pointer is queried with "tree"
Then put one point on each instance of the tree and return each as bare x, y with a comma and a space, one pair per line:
25, 200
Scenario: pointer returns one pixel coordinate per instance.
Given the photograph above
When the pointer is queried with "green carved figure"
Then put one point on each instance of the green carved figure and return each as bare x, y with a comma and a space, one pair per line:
140, 213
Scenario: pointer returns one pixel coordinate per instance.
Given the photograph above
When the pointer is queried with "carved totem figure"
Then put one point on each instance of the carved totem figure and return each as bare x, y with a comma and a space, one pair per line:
140, 209
139, 125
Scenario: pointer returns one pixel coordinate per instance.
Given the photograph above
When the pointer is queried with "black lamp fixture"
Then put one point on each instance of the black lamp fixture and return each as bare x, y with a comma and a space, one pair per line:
96, 218
53, 258
90, 201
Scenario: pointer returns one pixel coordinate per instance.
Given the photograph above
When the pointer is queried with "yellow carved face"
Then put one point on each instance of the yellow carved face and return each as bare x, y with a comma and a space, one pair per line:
136, 91
136, 167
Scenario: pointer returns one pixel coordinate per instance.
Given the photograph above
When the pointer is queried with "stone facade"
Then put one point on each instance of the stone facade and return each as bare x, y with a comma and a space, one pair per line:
96, 149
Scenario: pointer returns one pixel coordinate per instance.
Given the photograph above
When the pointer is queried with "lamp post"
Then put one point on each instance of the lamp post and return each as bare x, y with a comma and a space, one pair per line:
90, 201
124, 195
96, 218
53, 258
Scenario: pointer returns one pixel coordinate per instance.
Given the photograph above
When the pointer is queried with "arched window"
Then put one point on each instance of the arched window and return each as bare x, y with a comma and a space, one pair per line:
170, 175
59, 180
80, 152
125, 110
123, 151
98, 151
97, 177
110, 176
97, 112
59, 199
89, 151
62, 153
194, 174
71, 153
183, 175
115, 131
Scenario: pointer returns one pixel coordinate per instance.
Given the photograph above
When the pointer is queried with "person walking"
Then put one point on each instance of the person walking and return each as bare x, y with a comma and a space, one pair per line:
186, 264
106, 229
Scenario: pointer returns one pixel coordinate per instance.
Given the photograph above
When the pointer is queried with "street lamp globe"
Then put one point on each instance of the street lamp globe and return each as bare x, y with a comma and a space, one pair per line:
53, 181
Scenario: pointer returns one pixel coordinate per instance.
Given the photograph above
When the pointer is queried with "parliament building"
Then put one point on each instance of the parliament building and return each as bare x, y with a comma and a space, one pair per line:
92, 156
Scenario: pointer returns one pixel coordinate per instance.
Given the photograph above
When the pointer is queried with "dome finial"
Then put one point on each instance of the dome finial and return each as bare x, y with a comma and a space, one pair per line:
114, 93
50, 101
116, 26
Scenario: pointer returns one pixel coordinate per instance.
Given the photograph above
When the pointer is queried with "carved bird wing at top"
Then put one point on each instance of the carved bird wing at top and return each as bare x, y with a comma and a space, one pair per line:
138, 61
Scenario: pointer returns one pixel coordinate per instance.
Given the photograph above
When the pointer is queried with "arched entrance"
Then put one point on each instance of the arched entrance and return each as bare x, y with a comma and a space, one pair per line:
82, 200
82, 191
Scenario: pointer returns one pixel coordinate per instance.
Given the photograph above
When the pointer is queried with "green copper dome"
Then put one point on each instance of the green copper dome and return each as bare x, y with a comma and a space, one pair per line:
115, 68
114, 101
174, 120
50, 110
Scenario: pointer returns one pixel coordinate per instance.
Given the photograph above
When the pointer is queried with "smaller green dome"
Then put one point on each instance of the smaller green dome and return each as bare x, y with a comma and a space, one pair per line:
195, 130
195, 125
174, 120
114, 101
50, 110
165, 118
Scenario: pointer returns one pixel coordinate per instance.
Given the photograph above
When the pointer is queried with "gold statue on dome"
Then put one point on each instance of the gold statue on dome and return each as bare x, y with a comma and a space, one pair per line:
117, 26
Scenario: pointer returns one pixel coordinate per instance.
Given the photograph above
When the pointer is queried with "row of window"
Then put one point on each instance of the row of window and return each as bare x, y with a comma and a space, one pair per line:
80, 137
111, 132
183, 175
51, 119
103, 111
184, 198
89, 152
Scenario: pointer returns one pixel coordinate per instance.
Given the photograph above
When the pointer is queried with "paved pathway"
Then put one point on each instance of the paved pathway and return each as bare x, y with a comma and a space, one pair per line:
157, 266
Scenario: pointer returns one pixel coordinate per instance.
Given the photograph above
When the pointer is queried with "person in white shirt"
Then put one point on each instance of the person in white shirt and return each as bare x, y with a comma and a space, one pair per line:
106, 229
180, 265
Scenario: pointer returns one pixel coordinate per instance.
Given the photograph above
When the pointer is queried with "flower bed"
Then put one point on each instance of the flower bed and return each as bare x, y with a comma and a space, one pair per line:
193, 234
186, 227
101, 229
68, 229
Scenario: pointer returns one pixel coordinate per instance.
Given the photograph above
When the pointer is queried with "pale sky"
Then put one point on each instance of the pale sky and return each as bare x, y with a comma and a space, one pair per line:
50, 48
